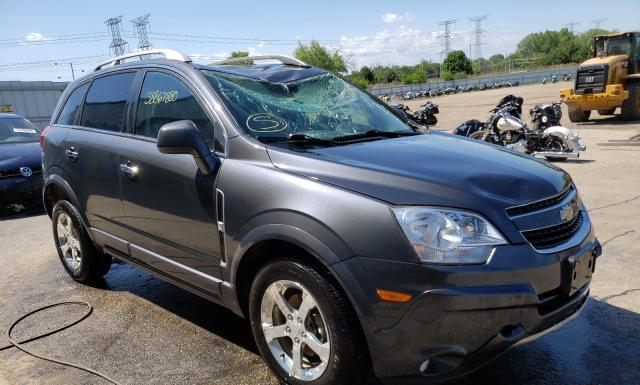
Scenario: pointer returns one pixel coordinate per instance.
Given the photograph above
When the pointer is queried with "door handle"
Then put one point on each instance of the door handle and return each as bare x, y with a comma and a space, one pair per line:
129, 169
72, 153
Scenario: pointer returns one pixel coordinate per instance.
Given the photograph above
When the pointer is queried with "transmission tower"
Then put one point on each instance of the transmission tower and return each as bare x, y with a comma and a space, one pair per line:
571, 26
117, 45
596, 23
477, 34
447, 35
141, 31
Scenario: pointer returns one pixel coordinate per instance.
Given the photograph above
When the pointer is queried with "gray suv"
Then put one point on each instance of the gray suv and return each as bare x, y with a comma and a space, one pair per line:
356, 246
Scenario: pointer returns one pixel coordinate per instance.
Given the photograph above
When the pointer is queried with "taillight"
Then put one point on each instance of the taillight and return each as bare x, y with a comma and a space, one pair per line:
43, 136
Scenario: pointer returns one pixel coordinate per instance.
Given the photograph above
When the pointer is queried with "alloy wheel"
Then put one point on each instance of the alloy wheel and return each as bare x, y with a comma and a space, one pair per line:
69, 242
295, 330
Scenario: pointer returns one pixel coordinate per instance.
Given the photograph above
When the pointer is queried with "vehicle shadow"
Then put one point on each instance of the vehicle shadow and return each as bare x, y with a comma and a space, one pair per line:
199, 311
575, 161
6, 215
599, 347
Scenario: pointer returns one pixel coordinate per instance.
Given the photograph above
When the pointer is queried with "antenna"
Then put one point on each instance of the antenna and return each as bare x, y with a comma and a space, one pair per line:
596, 23
571, 25
117, 45
447, 35
141, 31
477, 34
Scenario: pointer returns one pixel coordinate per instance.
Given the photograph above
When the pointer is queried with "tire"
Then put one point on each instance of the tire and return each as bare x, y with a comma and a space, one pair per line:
330, 323
608, 112
576, 115
477, 135
631, 106
80, 258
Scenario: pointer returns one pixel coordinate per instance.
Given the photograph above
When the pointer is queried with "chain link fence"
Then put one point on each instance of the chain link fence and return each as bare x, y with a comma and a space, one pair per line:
522, 77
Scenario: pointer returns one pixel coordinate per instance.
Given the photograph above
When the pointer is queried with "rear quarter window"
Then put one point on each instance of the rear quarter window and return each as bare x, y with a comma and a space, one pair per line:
106, 100
72, 106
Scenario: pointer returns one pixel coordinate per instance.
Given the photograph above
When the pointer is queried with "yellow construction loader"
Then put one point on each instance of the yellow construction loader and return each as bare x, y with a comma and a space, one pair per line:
610, 79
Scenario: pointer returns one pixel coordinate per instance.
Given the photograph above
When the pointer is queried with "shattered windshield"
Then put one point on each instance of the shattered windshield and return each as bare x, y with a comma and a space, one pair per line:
323, 107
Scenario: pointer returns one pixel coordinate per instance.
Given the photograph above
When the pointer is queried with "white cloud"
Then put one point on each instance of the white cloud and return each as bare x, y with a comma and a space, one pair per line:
36, 36
402, 45
396, 17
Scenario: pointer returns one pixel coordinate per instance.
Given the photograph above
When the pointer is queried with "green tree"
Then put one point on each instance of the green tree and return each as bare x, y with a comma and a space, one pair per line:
319, 56
457, 61
367, 74
557, 47
236, 54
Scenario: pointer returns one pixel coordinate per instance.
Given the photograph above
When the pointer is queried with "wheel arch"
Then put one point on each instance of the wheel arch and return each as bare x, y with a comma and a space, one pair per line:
272, 241
275, 241
55, 189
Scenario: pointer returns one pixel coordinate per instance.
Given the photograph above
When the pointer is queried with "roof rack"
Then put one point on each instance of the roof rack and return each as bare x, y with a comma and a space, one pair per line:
170, 54
286, 60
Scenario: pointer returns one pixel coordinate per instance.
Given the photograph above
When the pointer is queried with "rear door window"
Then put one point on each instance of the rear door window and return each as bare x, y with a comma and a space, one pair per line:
165, 99
106, 101
72, 106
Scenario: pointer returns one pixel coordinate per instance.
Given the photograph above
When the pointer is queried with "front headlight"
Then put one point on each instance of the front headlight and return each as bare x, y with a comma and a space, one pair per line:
447, 236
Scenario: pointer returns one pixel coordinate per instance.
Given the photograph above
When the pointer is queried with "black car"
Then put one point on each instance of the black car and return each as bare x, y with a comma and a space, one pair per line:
352, 243
20, 164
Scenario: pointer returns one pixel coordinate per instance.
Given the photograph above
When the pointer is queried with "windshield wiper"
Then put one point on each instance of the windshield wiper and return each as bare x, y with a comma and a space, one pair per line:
373, 134
297, 139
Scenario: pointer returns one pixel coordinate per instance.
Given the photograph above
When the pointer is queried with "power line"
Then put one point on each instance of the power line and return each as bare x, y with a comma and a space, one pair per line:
571, 25
141, 30
447, 36
596, 23
117, 45
477, 34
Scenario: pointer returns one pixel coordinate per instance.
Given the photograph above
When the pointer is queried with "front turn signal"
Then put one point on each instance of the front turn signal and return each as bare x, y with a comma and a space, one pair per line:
393, 296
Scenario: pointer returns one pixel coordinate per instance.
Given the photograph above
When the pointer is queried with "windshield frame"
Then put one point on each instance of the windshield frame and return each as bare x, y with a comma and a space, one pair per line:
210, 75
606, 49
29, 126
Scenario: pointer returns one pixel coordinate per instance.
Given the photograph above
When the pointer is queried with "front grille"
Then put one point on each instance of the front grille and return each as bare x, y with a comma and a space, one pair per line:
541, 204
554, 235
591, 79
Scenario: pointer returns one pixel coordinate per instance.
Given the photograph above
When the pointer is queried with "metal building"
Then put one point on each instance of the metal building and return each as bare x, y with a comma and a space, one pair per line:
33, 100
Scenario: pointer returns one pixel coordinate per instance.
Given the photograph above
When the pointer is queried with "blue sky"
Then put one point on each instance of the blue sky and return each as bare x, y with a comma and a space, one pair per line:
367, 32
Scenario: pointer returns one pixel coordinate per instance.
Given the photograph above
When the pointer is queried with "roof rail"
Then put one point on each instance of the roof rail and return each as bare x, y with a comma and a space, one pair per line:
168, 54
286, 60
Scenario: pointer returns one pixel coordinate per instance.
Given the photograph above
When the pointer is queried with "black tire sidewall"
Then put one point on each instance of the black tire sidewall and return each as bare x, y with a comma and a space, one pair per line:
342, 367
91, 265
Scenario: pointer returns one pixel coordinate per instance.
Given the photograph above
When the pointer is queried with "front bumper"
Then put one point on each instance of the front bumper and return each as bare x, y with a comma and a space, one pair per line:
25, 192
463, 317
613, 96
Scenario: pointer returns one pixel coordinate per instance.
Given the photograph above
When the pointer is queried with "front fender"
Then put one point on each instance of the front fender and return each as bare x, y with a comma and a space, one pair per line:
307, 242
281, 232
560, 131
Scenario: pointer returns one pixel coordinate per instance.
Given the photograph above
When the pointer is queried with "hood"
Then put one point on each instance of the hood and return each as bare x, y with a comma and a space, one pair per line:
16, 155
435, 169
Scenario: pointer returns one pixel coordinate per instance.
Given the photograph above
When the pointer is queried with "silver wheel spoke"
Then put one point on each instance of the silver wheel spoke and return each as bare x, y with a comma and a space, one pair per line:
296, 369
307, 304
322, 350
65, 249
282, 304
273, 332
294, 337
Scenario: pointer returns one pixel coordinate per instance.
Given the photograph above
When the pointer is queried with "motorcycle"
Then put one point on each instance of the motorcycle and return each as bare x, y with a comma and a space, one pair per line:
425, 116
505, 127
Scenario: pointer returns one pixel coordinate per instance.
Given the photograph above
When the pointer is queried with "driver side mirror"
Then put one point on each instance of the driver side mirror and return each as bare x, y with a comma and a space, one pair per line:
183, 137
